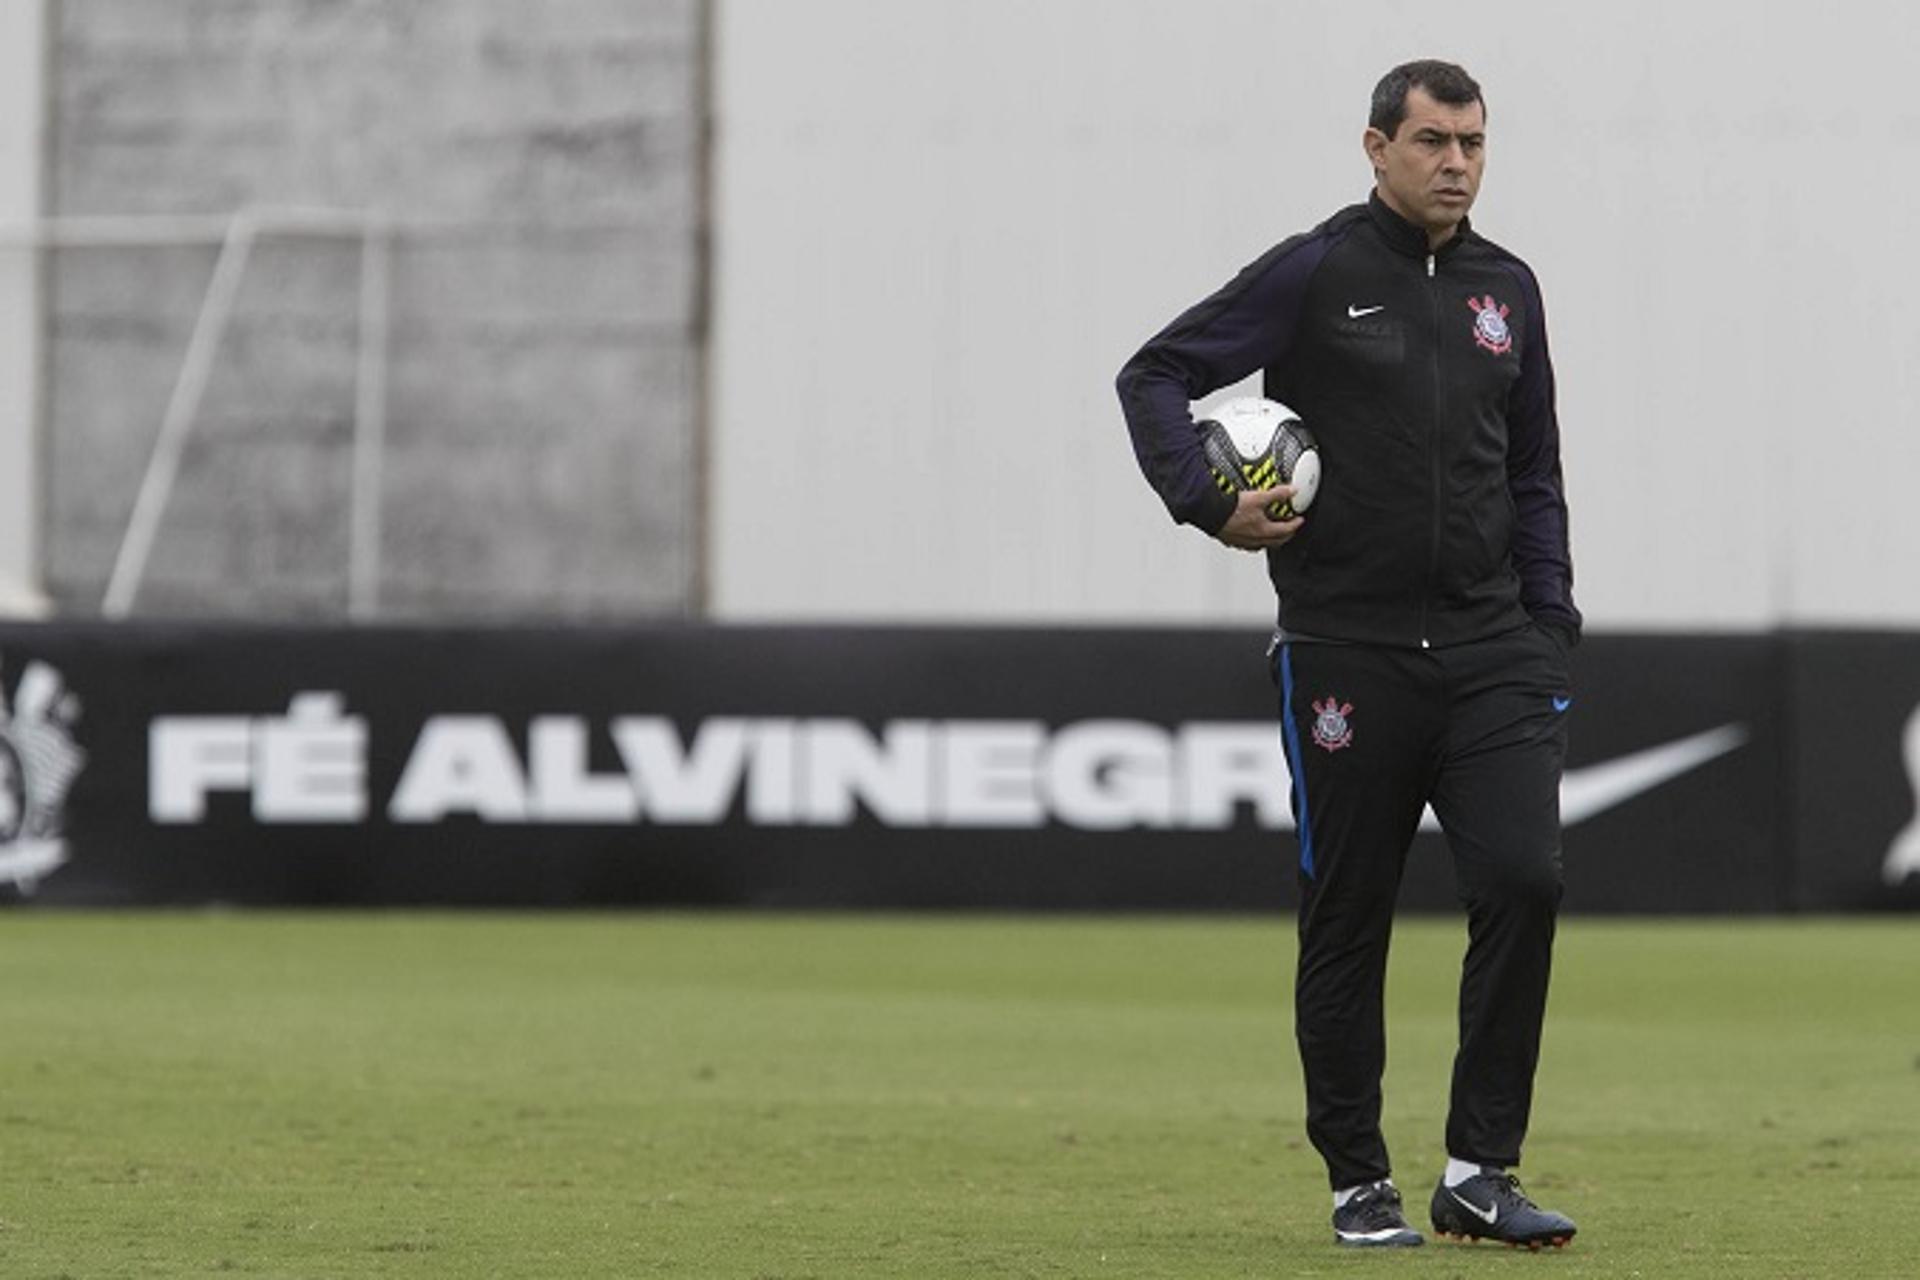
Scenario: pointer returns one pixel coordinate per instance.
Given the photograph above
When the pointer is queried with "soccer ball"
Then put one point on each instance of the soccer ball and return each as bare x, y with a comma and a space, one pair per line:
1256, 443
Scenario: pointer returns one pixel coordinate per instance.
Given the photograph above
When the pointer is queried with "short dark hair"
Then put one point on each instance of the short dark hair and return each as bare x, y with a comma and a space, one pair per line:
1446, 81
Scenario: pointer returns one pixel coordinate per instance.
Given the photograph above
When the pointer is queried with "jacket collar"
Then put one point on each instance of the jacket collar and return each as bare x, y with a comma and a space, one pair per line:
1405, 236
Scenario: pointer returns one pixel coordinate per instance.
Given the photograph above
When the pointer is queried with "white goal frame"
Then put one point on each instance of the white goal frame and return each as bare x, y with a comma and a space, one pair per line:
235, 236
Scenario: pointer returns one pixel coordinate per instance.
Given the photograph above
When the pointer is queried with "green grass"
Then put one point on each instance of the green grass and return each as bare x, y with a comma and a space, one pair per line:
436, 1095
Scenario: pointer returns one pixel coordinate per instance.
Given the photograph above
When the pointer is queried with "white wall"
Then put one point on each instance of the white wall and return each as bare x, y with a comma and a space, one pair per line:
21, 51
942, 226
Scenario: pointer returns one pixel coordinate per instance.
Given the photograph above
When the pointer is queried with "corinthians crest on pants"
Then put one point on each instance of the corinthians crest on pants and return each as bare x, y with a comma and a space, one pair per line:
38, 763
1330, 728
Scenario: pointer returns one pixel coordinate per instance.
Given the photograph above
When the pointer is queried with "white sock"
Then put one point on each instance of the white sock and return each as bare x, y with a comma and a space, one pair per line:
1458, 1171
1345, 1194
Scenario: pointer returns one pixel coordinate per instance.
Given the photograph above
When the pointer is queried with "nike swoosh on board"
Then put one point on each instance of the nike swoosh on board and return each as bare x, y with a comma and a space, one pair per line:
1592, 790
1354, 313
1596, 788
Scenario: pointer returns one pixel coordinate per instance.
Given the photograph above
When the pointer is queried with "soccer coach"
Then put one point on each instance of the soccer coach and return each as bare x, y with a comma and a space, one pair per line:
1425, 617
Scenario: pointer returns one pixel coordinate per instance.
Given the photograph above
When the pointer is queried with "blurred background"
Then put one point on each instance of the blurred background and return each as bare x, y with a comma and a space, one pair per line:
755, 311
737, 314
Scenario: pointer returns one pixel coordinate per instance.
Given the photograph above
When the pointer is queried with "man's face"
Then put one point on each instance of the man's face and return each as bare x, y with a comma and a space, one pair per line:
1428, 172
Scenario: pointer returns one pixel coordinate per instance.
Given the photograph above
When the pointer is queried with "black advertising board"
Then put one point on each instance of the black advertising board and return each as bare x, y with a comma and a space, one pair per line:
1063, 769
1855, 762
790, 767
1671, 800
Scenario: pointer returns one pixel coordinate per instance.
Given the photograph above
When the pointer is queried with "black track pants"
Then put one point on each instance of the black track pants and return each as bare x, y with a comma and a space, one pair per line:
1373, 735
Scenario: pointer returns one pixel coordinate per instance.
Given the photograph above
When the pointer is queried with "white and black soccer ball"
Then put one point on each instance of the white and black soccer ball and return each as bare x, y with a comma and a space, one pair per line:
1255, 443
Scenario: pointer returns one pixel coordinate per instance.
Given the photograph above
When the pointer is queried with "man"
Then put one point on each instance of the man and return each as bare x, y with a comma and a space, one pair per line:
1425, 614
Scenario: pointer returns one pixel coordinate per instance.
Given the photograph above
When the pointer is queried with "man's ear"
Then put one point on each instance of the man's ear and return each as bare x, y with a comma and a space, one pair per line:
1375, 144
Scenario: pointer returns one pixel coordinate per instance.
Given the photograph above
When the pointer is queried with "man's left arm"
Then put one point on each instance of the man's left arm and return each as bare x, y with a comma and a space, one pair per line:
1540, 548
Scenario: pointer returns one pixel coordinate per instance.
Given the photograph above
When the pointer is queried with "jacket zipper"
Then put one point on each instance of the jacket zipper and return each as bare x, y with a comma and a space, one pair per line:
1433, 453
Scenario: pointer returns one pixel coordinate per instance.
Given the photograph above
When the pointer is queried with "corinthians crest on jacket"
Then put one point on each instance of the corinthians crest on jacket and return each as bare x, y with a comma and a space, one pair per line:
38, 763
1490, 325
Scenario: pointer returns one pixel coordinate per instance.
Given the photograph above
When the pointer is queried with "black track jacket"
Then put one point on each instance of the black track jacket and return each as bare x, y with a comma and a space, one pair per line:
1425, 378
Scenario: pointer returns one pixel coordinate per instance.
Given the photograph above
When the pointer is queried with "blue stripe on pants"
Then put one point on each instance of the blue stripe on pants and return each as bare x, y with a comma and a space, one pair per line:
1290, 734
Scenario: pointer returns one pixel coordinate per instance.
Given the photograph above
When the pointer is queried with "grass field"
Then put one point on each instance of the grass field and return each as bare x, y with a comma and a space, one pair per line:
482, 1095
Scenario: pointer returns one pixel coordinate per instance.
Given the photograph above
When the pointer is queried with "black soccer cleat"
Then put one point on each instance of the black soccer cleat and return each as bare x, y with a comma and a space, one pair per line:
1372, 1219
1491, 1206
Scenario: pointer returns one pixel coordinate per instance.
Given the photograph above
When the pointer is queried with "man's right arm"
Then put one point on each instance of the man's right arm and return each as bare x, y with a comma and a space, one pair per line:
1248, 325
